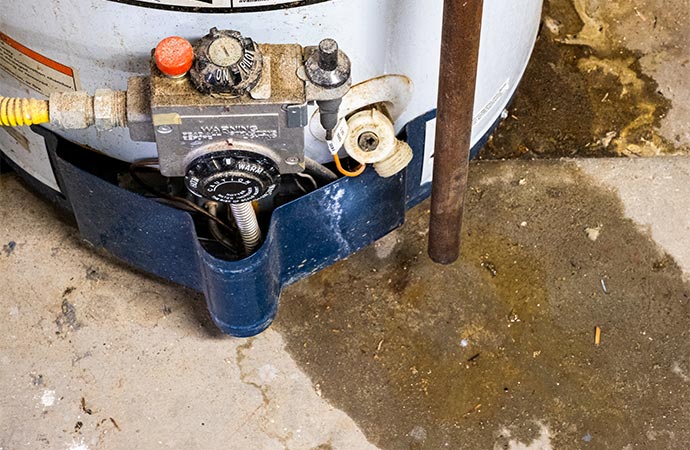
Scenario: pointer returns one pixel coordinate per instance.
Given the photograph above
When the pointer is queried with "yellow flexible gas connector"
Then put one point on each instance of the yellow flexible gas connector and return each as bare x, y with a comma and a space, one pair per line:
16, 112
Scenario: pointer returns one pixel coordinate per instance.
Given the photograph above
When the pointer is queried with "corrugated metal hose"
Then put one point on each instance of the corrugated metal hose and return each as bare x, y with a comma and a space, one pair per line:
16, 112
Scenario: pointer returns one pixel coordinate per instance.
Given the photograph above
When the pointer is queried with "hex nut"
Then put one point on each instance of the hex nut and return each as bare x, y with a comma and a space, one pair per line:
71, 110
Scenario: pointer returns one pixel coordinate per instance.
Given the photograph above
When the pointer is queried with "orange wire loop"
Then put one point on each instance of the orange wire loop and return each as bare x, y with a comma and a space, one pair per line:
357, 172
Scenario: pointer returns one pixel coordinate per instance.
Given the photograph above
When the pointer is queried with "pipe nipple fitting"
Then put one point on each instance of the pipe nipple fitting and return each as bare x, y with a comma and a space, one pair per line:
110, 109
78, 110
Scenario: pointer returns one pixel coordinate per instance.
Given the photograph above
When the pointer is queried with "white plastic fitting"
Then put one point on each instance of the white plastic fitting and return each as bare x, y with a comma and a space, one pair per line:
401, 158
371, 140
370, 125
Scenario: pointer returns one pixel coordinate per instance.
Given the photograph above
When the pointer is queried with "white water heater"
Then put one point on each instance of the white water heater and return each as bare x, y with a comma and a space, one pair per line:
237, 146
48, 47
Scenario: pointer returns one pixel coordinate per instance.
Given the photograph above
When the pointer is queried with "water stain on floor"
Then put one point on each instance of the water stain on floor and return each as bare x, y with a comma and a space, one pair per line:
584, 93
499, 347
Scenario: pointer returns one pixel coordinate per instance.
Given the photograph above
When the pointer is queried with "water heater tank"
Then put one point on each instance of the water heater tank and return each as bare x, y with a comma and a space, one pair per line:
48, 46
239, 112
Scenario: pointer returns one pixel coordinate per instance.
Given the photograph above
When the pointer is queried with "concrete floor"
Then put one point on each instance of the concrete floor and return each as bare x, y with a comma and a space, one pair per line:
96, 356
606, 79
386, 350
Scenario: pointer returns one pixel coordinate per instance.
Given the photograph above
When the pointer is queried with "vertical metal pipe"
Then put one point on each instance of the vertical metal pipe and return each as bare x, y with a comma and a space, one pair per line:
462, 22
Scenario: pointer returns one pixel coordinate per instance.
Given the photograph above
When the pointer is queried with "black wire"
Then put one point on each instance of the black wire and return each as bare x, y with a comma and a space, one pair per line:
323, 174
170, 200
307, 177
299, 185
218, 234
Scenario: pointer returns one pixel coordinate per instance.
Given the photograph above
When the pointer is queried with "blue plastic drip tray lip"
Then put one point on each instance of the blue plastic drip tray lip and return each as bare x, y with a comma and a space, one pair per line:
288, 222
245, 331
304, 236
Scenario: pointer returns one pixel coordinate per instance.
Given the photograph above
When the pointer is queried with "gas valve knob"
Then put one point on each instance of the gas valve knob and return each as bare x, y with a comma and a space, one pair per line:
232, 177
226, 63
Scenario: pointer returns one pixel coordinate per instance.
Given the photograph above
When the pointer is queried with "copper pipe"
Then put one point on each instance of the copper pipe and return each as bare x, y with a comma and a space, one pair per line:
462, 22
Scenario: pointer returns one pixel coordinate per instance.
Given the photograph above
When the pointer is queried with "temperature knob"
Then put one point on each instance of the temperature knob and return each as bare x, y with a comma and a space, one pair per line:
232, 176
226, 63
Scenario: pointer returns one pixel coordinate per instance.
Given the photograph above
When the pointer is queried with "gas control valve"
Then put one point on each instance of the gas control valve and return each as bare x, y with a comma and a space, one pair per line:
236, 98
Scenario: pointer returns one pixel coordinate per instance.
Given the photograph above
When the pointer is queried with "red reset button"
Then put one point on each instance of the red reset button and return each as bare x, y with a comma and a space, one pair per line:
174, 56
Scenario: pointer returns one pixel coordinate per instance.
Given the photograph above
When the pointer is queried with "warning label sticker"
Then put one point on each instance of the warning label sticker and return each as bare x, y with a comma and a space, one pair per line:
34, 70
219, 5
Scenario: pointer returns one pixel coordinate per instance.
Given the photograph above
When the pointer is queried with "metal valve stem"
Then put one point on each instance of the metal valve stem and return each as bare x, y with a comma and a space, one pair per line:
328, 54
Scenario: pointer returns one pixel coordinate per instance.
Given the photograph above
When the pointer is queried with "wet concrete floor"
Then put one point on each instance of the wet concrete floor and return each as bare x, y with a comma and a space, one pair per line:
591, 88
501, 345
497, 351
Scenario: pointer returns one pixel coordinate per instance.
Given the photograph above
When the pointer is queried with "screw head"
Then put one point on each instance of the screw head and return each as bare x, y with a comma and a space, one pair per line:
292, 160
164, 129
368, 141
